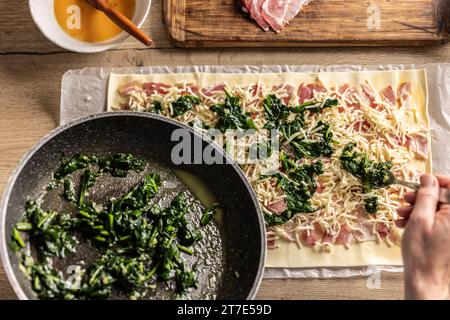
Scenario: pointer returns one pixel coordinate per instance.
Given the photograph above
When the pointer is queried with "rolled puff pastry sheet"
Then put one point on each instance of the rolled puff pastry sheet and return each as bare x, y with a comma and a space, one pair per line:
288, 255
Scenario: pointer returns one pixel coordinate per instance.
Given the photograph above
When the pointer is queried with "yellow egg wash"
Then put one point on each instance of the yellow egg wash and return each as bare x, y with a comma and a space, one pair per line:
82, 22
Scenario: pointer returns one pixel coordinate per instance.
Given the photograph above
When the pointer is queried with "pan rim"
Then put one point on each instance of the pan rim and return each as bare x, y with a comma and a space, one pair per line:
11, 275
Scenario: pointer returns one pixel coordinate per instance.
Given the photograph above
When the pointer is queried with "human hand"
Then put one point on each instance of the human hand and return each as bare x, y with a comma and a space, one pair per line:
426, 241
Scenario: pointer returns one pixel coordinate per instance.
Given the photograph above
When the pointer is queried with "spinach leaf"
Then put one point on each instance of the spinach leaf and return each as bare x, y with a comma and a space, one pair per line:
373, 175
299, 185
49, 229
73, 164
138, 198
277, 219
231, 116
120, 164
157, 106
69, 190
208, 215
371, 205
322, 147
275, 112
87, 181
138, 242
184, 104
320, 106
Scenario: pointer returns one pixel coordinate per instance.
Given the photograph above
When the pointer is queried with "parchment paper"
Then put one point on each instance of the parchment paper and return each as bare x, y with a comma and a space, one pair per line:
84, 92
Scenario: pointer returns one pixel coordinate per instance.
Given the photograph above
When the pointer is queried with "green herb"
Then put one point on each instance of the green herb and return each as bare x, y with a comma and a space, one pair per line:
208, 215
275, 112
298, 181
138, 198
280, 117
117, 165
184, 279
316, 107
73, 164
371, 205
184, 104
49, 229
69, 190
288, 128
17, 238
49, 283
299, 185
373, 175
277, 219
322, 147
87, 181
157, 106
231, 116
139, 242
120, 164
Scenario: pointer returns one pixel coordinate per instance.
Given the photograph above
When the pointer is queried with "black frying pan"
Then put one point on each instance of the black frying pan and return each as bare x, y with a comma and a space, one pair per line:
149, 136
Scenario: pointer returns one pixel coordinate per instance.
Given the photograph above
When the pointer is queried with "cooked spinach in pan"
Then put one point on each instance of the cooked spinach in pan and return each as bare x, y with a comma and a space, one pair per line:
140, 244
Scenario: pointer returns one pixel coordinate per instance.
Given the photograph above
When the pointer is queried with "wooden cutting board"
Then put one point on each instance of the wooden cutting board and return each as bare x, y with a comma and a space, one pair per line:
220, 23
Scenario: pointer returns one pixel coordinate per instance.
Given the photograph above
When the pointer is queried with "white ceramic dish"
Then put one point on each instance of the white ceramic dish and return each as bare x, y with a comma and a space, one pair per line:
43, 15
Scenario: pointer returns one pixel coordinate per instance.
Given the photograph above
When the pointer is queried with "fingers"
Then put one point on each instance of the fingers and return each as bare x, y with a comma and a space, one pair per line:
426, 200
444, 209
405, 212
410, 197
444, 182
401, 223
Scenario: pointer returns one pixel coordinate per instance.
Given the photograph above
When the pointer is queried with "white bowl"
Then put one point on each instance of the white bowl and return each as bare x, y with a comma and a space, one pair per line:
43, 15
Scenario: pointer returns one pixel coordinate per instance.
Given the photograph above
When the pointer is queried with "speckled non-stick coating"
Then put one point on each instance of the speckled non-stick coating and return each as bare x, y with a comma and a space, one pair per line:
149, 136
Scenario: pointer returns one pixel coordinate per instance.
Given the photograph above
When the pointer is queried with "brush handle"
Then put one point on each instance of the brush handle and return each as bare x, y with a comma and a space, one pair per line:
121, 20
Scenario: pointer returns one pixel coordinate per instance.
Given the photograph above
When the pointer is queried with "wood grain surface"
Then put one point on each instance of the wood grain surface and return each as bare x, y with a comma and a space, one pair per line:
218, 23
30, 78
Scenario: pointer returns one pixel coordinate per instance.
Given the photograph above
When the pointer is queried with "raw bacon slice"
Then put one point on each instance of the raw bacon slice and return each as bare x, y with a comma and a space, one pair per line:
311, 237
368, 94
245, 5
328, 238
306, 92
365, 233
126, 89
277, 207
419, 145
404, 94
289, 92
253, 7
156, 88
256, 90
211, 90
383, 230
345, 236
279, 13
388, 95
189, 88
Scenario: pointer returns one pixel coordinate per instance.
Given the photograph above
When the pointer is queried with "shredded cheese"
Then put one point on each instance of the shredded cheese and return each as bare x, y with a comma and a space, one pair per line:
378, 129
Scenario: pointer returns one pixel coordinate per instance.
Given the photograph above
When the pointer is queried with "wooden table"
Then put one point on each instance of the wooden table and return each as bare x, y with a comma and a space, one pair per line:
30, 79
